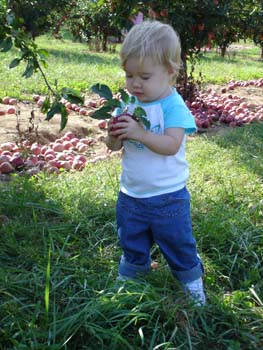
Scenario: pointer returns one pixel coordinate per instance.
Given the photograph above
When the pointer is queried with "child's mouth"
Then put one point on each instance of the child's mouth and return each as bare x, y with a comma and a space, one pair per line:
138, 94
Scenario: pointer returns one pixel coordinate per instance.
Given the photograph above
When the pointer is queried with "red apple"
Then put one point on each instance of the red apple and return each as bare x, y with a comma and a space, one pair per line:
116, 119
77, 165
17, 161
11, 110
35, 149
36, 97
6, 168
82, 111
4, 158
70, 135
201, 26
92, 104
82, 147
13, 101
102, 124
5, 100
81, 158
58, 147
67, 144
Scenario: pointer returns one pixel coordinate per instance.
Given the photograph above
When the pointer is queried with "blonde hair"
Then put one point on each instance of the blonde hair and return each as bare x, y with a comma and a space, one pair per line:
156, 40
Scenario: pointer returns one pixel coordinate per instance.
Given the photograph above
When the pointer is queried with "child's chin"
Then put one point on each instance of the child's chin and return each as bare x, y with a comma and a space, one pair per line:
143, 99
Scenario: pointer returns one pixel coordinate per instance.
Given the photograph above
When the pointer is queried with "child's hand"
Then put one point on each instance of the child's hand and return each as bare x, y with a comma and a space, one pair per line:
112, 140
126, 128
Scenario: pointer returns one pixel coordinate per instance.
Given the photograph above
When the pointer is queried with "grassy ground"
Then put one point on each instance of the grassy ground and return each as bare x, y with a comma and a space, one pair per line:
242, 62
72, 65
59, 257
59, 250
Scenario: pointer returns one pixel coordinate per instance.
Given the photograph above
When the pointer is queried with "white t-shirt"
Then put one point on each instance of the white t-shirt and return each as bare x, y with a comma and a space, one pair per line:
146, 173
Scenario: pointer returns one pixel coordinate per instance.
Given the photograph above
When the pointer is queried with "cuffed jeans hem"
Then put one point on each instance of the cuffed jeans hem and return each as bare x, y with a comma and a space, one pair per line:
189, 275
133, 271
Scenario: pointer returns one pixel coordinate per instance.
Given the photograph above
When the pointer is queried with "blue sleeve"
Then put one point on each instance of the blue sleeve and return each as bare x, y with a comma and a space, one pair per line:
177, 114
118, 110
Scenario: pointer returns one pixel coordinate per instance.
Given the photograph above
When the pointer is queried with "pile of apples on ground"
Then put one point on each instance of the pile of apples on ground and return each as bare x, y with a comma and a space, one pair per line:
65, 153
68, 152
227, 108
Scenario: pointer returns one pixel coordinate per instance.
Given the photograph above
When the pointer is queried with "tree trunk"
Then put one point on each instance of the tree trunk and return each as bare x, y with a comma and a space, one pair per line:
223, 51
104, 42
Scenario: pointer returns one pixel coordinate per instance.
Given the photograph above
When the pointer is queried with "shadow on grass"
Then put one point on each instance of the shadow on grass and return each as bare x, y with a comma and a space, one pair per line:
248, 61
248, 141
227, 209
84, 56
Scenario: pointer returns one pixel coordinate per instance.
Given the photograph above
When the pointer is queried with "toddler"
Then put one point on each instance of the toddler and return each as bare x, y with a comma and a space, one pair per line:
153, 204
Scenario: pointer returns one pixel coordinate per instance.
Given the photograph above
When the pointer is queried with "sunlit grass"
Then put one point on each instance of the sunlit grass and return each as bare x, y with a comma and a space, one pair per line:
242, 62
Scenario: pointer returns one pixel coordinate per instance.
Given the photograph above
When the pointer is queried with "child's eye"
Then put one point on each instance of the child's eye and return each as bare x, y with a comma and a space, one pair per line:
128, 76
145, 77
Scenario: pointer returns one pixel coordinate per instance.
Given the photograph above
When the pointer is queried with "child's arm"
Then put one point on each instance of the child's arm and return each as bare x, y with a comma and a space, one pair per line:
167, 144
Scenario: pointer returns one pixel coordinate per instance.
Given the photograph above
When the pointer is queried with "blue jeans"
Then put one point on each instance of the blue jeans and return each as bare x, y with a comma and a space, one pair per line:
164, 220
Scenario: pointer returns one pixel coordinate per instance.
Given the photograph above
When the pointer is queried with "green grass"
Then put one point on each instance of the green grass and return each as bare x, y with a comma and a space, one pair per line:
59, 257
71, 64
242, 62
74, 66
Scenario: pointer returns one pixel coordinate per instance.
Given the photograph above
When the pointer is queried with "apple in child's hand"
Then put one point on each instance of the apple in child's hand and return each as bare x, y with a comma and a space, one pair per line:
117, 120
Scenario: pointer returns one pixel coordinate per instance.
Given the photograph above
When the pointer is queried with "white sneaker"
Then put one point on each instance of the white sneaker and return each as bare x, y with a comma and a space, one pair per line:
196, 291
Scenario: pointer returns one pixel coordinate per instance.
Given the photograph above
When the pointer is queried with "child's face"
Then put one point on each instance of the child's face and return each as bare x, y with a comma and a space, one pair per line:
148, 81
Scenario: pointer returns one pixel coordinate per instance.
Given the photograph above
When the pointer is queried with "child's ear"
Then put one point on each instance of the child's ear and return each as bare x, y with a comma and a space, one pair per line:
171, 72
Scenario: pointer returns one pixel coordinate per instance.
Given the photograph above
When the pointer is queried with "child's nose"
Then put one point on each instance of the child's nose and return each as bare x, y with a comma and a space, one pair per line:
136, 82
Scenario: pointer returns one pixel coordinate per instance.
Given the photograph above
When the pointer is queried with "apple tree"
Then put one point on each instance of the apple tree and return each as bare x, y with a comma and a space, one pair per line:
39, 16
254, 29
204, 24
98, 20
13, 34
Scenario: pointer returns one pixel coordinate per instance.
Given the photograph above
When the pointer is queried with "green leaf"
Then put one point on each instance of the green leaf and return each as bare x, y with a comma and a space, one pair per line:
72, 96
46, 105
114, 103
44, 63
43, 53
140, 114
55, 109
133, 99
29, 70
102, 113
75, 99
6, 44
145, 122
64, 117
124, 96
14, 63
102, 90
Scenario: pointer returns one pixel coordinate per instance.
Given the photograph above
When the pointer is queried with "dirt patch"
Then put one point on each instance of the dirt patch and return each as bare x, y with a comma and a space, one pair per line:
29, 123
